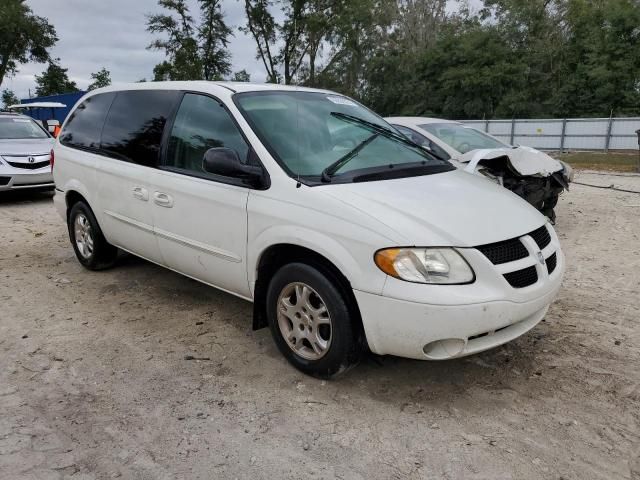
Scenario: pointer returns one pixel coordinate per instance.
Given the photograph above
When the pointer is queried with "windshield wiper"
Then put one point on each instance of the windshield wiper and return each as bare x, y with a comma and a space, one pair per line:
384, 131
401, 171
330, 171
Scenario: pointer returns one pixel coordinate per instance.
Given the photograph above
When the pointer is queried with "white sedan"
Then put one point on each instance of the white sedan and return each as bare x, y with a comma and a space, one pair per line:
529, 173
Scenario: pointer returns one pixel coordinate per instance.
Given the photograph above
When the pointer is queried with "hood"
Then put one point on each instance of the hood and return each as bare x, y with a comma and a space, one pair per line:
445, 209
26, 146
524, 160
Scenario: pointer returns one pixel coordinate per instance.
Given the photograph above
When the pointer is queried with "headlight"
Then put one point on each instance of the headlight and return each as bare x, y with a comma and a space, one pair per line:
567, 172
425, 265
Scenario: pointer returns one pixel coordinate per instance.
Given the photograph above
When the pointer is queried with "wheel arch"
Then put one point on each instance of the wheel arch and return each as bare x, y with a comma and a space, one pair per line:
277, 255
75, 191
72, 197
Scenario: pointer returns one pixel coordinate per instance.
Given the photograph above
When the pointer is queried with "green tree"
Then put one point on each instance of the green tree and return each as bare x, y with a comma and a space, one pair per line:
194, 51
100, 79
290, 49
535, 30
9, 98
360, 28
318, 26
214, 34
469, 70
54, 80
241, 76
601, 63
24, 36
262, 27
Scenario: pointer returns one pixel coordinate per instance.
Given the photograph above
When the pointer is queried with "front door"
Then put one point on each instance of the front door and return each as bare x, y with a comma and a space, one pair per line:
200, 219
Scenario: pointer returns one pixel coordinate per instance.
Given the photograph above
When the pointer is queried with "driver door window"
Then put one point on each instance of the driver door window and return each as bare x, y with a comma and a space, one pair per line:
200, 124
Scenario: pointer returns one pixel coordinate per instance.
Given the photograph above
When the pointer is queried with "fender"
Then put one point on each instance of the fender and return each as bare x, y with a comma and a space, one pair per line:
322, 244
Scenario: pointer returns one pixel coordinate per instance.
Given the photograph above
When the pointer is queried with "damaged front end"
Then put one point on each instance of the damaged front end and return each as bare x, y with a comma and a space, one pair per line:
529, 173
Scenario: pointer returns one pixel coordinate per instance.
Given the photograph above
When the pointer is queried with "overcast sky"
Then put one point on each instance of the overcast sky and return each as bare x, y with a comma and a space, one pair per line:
112, 34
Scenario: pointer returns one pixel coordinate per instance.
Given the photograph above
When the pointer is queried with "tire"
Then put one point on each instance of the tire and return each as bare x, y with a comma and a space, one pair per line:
89, 244
322, 345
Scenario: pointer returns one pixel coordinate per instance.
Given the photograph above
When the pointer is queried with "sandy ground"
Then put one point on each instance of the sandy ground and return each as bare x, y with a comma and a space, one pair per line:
94, 381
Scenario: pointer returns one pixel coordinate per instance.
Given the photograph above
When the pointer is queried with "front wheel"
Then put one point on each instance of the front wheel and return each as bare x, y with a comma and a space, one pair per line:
310, 321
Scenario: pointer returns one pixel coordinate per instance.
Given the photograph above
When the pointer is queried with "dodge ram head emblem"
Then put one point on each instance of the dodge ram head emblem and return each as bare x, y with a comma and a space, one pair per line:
31, 159
540, 258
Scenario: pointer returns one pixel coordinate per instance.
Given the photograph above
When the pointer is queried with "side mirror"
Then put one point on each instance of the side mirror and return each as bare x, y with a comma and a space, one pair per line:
226, 162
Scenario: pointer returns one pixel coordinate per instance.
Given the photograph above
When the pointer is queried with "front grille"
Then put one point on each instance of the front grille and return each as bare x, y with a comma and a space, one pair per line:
551, 263
505, 251
513, 249
522, 278
4, 180
541, 237
29, 166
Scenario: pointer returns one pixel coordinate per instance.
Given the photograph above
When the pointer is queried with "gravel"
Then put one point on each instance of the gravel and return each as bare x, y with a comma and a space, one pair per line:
94, 382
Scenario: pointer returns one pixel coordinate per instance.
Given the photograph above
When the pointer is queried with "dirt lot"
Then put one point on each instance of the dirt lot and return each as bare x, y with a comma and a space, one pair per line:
94, 382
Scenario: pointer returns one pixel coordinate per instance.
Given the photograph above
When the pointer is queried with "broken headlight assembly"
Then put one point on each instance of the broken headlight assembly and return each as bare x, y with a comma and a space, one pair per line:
442, 266
567, 171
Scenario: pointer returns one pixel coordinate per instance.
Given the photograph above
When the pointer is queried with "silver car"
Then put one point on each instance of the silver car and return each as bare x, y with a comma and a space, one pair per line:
25, 153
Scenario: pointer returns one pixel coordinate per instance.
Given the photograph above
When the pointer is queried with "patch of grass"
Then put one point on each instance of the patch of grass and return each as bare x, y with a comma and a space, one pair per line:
612, 161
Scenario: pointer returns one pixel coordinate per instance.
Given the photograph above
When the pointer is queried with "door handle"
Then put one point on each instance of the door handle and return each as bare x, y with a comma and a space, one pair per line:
162, 199
140, 193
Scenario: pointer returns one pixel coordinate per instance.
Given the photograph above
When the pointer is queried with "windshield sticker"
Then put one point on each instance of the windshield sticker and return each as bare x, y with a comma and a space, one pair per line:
21, 120
341, 101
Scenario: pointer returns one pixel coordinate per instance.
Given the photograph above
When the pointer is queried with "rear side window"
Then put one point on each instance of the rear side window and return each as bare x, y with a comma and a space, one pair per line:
134, 126
83, 128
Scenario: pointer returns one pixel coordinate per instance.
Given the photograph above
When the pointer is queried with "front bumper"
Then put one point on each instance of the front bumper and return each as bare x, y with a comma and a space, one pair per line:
18, 178
437, 322
424, 332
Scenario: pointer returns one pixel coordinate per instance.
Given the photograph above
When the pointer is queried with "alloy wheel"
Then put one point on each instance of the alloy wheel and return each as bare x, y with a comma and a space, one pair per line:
304, 321
83, 235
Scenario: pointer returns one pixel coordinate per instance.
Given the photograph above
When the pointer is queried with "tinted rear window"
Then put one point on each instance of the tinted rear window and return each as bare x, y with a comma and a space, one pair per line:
83, 128
134, 126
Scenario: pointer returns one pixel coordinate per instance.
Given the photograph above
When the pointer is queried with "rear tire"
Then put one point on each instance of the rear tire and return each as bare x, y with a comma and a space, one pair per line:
89, 244
310, 321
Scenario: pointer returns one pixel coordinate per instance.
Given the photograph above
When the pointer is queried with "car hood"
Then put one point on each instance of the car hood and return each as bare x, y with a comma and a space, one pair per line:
446, 209
524, 160
26, 146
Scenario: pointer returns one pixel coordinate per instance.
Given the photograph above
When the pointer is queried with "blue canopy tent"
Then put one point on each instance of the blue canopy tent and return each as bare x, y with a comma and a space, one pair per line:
68, 99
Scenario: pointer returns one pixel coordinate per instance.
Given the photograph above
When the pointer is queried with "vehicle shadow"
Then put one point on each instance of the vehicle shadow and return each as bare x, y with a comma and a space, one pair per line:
18, 197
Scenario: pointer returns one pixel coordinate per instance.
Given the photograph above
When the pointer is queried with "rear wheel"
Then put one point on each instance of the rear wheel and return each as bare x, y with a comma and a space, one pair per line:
310, 321
89, 244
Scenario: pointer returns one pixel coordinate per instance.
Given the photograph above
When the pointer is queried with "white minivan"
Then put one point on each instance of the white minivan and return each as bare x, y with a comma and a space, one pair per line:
343, 233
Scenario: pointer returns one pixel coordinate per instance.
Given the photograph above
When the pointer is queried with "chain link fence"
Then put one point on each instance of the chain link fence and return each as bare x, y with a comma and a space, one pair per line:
594, 134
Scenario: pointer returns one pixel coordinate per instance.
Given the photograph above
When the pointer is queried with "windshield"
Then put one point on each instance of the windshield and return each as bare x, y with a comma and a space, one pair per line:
310, 133
463, 139
16, 128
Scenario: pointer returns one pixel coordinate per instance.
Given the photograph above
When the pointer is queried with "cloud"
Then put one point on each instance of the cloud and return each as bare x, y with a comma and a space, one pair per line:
112, 34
